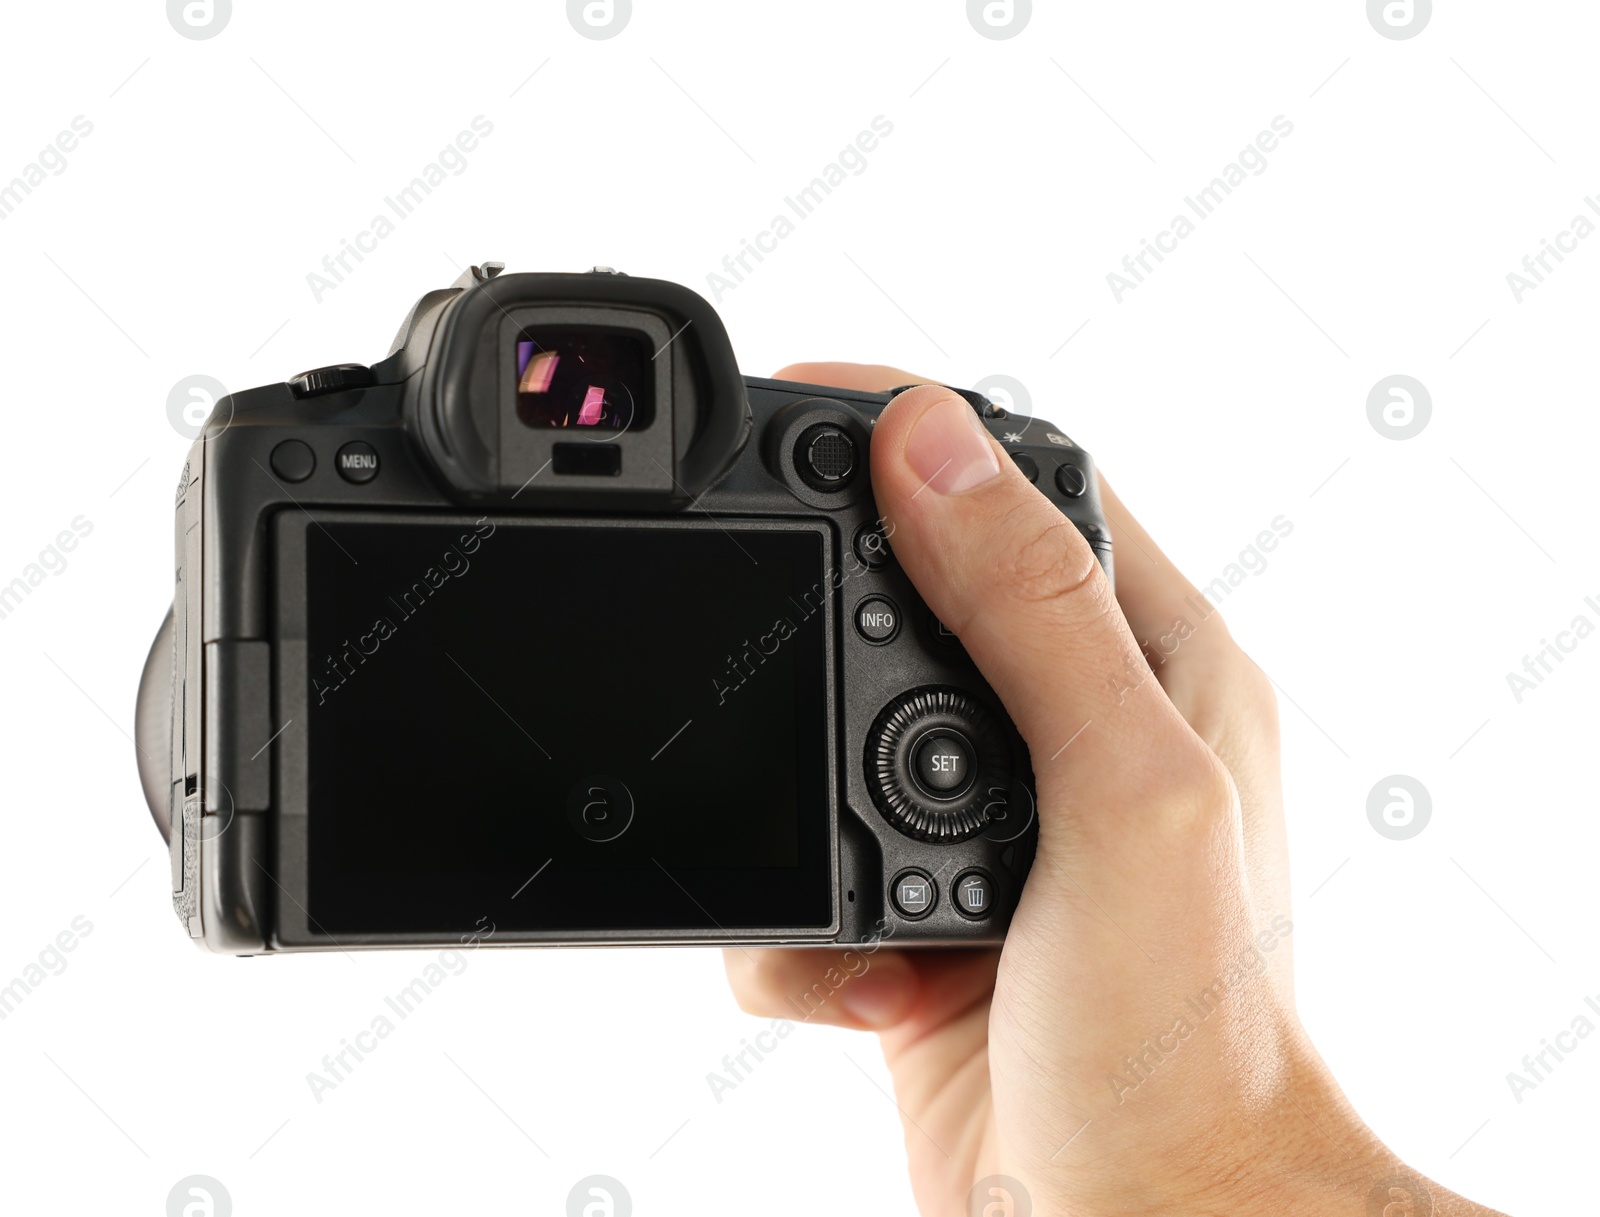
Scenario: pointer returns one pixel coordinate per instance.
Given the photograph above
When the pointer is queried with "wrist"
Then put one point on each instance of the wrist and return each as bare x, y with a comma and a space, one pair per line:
1289, 1144
1303, 1149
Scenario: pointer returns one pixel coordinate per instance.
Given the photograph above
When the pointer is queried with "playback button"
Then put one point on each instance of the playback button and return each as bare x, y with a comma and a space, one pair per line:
877, 620
913, 894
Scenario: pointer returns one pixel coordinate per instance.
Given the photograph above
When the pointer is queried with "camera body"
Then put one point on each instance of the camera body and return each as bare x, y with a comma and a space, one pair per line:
551, 628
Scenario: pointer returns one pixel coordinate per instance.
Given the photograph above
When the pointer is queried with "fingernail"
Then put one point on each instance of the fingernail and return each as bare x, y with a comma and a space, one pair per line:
949, 449
875, 999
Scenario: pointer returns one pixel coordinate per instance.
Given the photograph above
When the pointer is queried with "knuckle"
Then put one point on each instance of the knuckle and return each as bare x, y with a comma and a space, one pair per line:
1251, 699
1261, 696
1039, 556
1199, 792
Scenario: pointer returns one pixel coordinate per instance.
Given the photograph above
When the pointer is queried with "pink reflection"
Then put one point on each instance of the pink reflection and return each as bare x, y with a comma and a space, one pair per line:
541, 370
594, 404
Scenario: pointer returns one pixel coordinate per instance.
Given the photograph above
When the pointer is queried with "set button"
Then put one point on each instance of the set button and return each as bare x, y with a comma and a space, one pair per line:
942, 764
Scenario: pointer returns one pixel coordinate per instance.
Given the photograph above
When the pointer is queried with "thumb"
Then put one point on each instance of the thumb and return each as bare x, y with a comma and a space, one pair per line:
1017, 583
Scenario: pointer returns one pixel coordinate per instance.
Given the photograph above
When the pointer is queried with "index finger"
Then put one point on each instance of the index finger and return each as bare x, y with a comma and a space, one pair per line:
866, 377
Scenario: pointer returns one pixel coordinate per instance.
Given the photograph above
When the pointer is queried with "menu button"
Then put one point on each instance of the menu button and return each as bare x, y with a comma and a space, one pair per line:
357, 462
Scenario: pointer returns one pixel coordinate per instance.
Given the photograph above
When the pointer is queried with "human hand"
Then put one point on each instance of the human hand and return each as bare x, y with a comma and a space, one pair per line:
1134, 1047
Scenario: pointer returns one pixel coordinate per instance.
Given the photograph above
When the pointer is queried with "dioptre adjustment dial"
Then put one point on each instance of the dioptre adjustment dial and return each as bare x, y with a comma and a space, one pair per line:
937, 761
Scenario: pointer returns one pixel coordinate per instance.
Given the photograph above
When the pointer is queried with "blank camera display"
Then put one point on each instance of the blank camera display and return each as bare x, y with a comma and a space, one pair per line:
566, 727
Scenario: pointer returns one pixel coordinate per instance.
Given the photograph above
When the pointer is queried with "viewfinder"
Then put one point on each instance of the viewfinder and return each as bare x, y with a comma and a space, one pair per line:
584, 379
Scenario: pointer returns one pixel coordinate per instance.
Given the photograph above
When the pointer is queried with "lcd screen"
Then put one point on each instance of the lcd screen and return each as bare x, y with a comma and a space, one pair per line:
548, 726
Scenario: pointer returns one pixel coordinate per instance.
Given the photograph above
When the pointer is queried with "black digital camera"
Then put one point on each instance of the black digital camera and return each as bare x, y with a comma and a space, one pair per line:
551, 628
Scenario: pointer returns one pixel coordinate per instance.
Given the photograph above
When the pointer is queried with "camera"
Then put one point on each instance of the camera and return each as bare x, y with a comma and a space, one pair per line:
552, 628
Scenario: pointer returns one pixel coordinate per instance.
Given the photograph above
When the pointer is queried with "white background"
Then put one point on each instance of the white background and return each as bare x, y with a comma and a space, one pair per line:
1227, 390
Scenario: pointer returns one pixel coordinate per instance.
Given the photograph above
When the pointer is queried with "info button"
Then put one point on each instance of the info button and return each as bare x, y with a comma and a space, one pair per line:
877, 620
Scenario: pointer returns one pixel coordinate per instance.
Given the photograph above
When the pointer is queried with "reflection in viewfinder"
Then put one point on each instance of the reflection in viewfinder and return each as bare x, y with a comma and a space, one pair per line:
597, 379
538, 370
594, 402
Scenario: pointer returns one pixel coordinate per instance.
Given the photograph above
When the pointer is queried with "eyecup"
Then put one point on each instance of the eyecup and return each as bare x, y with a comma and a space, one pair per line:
458, 396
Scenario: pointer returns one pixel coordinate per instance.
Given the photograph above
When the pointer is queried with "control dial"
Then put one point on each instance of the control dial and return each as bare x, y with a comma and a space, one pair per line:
937, 761
332, 379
